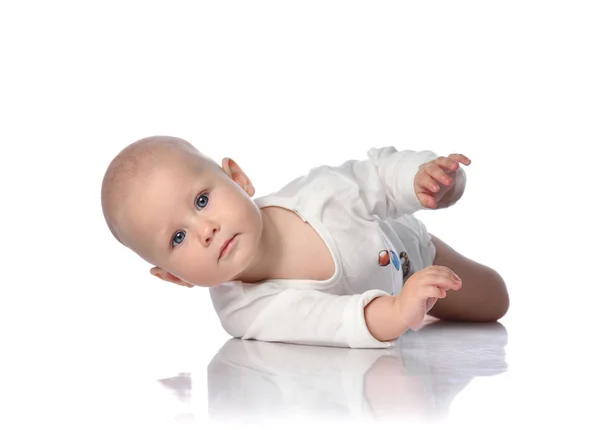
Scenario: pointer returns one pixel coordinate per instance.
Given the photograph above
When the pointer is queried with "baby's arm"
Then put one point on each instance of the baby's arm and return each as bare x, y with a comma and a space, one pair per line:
384, 320
385, 182
300, 316
305, 316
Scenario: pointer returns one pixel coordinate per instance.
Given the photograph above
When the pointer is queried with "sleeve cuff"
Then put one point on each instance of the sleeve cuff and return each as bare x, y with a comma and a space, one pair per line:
399, 173
406, 179
359, 335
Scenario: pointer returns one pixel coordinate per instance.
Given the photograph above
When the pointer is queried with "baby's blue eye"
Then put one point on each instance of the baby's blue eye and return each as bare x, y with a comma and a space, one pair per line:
202, 201
178, 238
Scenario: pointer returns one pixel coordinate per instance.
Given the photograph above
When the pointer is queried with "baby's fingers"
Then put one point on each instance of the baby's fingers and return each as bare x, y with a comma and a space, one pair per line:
439, 174
426, 182
440, 270
459, 158
426, 200
432, 291
446, 280
447, 163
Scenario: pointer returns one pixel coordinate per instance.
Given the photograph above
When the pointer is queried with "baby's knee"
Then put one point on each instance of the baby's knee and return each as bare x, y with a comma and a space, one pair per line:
499, 297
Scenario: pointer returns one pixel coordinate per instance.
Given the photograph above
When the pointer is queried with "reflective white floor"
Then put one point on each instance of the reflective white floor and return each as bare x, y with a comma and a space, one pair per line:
417, 380
446, 374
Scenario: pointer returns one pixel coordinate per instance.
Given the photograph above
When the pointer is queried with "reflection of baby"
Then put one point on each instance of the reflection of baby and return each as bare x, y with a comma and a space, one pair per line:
417, 381
302, 265
442, 357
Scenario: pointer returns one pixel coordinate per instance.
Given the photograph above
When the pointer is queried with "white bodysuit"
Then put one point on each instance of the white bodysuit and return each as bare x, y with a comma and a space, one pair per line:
362, 210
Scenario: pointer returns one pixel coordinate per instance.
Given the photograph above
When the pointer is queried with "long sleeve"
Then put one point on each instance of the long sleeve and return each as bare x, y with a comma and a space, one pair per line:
299, 316
385, 181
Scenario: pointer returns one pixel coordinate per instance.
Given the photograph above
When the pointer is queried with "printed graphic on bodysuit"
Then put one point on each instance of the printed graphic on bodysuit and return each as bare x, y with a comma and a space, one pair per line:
384, 259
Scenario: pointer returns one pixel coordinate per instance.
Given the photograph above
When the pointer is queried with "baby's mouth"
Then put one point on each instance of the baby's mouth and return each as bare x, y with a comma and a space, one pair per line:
226, 247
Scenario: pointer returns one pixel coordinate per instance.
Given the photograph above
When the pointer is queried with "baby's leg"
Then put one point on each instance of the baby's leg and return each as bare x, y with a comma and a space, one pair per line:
483, 296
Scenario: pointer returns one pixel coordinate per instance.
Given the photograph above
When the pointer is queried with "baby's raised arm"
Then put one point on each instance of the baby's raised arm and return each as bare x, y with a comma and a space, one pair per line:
393, 183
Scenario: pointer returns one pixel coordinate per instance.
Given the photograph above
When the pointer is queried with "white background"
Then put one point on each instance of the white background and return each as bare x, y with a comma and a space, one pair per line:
281, 87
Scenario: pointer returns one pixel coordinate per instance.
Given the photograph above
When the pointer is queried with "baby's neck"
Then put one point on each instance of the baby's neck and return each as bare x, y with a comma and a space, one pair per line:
268, 263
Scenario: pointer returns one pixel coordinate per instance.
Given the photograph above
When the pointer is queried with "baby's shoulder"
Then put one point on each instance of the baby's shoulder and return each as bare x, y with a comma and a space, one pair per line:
319, 180
307, 182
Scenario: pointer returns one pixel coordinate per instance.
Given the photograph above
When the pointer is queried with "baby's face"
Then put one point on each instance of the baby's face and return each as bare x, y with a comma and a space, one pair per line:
180, 215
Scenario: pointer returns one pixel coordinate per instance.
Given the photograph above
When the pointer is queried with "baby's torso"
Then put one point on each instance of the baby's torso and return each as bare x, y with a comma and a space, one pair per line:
336, 243
368, 254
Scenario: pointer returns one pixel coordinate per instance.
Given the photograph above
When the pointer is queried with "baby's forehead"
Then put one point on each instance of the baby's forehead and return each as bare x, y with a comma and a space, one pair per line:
171, 183
181, 168
180, 157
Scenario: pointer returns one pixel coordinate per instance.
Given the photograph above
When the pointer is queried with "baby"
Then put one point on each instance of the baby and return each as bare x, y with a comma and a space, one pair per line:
335, 258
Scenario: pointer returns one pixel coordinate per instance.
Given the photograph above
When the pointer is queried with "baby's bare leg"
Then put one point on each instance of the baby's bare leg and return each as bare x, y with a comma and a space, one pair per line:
483, 296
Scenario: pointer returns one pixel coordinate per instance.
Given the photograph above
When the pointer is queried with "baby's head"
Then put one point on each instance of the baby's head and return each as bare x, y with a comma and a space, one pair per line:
175, 208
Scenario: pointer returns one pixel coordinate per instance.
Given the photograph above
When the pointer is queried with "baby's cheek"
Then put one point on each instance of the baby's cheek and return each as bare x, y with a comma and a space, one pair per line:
186, 266
201, 271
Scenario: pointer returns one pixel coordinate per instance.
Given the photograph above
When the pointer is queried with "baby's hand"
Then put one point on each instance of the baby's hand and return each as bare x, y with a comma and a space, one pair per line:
422, 290
435, 178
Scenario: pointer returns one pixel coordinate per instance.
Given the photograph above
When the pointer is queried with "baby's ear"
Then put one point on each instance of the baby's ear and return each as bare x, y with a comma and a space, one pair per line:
166, 276
235, 172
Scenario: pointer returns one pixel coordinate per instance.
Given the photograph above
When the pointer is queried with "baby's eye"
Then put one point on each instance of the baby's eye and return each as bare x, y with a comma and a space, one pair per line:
178, 238
202, 201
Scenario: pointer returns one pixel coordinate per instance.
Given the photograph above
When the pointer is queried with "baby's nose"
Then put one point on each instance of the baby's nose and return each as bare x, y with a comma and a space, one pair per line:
208, 232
